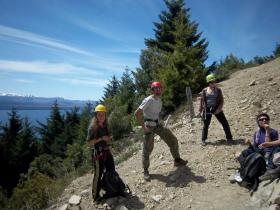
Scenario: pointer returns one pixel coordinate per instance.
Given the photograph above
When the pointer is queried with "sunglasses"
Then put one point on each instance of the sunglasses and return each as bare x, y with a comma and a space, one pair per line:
263, 119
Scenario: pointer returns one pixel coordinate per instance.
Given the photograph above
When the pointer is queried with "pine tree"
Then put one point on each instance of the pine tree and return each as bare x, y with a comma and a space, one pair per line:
50, 131
9, 175
69, 134
27, 146
182, 52
150, 60
126, 92
164, 38
111, 89
85, 118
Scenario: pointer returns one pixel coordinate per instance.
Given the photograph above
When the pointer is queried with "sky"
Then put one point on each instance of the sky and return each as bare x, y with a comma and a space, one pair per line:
71, 48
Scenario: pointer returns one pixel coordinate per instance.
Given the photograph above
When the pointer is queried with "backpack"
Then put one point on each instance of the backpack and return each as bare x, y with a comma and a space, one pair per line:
113, 185
252, 167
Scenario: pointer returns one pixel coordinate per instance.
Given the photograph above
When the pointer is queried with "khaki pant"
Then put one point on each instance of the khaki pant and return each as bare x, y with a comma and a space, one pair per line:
148, 145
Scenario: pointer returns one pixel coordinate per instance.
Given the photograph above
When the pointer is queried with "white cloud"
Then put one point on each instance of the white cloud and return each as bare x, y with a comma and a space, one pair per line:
17, 35
41, 67
24, 81
99, 31
128, 50
95, 82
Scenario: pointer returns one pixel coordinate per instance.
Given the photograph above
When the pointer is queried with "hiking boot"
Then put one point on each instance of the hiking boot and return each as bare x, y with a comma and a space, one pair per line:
203, 143
180, 162
147, 175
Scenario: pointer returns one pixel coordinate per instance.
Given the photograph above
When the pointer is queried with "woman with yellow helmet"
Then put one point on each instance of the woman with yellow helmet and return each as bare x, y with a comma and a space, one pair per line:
211, 103
98, 138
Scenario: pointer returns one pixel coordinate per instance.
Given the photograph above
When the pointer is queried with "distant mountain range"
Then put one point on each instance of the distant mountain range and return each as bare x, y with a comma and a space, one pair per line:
8, 101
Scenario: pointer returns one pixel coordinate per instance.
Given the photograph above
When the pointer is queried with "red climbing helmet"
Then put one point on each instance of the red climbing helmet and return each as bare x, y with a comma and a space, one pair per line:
155, 85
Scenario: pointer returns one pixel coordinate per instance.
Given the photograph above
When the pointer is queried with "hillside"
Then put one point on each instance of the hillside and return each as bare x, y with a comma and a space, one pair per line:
203, 183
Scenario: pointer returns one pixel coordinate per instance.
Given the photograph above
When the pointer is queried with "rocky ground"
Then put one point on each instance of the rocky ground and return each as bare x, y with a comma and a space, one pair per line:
204, 182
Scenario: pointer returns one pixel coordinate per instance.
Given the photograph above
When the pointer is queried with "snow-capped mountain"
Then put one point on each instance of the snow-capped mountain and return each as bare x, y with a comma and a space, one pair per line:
10, 100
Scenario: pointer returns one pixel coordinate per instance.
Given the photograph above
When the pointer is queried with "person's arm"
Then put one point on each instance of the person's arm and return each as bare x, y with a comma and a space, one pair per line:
267, 133
91, 140
270, 143
221, 101
95, 141
138, 115
200, 104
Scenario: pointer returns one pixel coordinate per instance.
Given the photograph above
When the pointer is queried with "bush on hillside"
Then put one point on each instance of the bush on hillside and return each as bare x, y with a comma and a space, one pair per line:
119, 122
32, 193
276, 52
48, 165
77, 156
3, 198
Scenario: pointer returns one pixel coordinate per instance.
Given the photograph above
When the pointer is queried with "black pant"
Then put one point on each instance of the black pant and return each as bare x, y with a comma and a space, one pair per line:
221, 118
106, 162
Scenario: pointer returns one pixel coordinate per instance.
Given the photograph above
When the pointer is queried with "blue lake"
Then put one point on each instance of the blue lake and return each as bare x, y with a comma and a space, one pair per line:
32, 115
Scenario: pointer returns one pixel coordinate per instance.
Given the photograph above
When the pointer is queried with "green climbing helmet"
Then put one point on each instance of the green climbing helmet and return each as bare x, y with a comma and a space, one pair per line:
210, 78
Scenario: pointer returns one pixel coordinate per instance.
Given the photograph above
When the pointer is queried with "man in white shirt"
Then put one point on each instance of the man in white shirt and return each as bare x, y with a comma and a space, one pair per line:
147, 116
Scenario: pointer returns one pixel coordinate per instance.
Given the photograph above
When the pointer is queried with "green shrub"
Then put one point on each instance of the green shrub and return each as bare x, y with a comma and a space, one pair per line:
48, 165
77, 157
3, 198
120, 122
32, 193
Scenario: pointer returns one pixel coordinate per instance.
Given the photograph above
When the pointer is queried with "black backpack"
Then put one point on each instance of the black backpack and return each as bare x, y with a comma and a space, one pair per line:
113, 185
251, 168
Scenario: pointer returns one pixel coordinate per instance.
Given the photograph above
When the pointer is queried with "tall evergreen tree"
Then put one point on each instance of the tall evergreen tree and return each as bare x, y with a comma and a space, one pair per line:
182, 51
85, 118
52, 129
9, 175
69, 134
150, 60
27, 146
111, 89
175, 25
126, 92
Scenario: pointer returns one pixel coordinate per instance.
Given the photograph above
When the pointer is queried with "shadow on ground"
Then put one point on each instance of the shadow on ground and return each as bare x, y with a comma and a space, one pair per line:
224, 142
133, 202
179, 177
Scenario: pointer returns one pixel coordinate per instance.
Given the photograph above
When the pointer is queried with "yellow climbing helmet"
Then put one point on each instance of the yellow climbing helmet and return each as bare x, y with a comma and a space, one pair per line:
210, 78
100, 108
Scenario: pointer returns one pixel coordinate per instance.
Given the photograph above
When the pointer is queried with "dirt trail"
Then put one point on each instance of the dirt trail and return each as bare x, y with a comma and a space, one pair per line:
203, 183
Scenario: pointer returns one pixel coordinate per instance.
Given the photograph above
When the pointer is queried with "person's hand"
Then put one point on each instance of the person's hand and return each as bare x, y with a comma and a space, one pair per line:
146, 129
266, 126
264, 145
107, 138
217, 111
